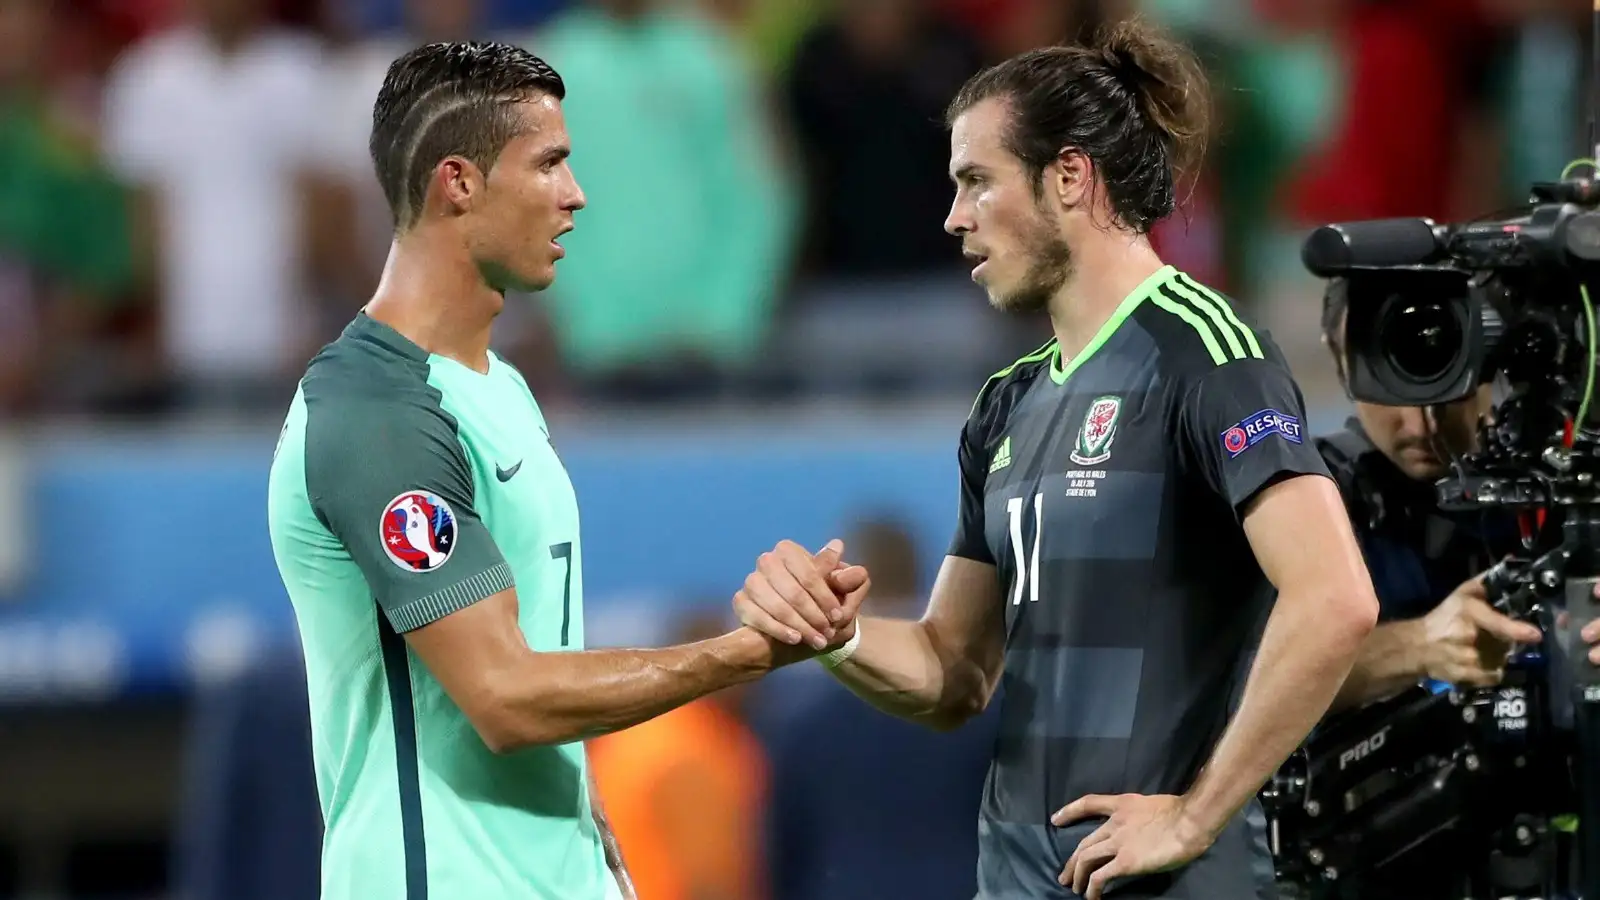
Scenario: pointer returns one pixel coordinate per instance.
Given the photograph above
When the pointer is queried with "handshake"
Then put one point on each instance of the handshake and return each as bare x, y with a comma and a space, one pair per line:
803, 600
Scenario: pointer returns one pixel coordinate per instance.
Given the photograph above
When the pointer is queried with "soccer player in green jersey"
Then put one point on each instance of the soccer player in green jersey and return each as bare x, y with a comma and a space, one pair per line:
428, 534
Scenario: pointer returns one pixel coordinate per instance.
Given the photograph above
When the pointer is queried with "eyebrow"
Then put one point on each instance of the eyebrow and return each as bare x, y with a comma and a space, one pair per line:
555, 154
966, 172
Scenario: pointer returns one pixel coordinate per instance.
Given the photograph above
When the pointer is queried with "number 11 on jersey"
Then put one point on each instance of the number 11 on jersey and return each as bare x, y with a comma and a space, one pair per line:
1027, 564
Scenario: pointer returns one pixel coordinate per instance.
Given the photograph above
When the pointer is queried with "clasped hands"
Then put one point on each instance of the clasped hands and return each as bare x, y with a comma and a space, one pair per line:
802, 599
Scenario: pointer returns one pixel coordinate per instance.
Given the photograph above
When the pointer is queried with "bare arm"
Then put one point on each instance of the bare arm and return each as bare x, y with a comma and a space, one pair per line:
941, 670
517, 698
1389, 661
1462, 641
458, 609
1325, 609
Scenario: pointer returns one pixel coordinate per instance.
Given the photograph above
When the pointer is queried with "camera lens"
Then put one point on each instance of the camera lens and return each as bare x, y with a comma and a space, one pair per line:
1420, 340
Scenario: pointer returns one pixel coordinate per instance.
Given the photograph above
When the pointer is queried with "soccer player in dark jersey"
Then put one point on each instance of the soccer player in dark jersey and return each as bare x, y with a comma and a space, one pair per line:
1141, 514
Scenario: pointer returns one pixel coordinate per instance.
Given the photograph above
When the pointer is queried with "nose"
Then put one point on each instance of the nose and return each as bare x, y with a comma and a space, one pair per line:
574, 199
958, 222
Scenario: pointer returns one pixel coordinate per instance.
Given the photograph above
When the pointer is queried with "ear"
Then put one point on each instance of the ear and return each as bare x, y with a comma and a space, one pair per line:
459, 182
1069, 178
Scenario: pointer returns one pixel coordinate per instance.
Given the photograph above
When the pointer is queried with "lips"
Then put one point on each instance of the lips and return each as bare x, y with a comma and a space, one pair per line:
979, 259
555, 246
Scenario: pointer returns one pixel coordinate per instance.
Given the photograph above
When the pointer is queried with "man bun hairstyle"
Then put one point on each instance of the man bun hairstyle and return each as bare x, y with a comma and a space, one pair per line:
1133, 100
449, 99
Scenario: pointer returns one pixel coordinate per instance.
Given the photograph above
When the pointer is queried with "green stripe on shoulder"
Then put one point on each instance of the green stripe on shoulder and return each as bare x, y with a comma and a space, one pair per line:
1042, 353
1189, 316
1218, 320
1225, 336
1225, 309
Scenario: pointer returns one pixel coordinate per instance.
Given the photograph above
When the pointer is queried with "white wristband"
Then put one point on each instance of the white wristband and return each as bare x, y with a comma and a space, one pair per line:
835, 658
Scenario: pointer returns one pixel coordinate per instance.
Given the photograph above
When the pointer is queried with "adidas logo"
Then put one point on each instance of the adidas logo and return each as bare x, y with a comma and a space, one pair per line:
1002, 457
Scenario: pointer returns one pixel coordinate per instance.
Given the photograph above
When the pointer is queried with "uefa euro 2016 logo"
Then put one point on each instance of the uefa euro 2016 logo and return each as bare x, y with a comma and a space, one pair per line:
419, 531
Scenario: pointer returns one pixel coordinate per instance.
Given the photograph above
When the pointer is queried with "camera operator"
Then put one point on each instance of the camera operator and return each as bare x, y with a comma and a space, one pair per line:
1434, 620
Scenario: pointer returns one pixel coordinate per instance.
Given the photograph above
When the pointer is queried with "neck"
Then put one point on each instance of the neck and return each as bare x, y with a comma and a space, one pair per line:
437, 301
1105, 271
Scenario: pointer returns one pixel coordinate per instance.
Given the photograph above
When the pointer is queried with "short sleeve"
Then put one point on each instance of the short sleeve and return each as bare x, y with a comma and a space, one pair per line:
969, 541
390, 479
1243, 428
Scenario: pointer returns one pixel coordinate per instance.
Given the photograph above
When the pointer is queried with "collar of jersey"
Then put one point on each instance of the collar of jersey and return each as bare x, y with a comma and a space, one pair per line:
1122, 312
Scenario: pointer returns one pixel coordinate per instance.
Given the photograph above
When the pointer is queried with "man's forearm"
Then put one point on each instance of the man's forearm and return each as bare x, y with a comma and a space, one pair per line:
1306, 653
556, 698
900, 668
1387, 663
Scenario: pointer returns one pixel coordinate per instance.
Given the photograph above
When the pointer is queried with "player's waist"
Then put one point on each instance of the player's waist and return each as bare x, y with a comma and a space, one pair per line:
1031, 779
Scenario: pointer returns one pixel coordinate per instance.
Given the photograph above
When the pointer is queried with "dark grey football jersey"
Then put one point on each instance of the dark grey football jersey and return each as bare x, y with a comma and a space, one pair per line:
1108, 494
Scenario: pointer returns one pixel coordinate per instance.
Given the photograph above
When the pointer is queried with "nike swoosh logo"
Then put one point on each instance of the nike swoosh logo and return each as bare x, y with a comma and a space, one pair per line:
506, 474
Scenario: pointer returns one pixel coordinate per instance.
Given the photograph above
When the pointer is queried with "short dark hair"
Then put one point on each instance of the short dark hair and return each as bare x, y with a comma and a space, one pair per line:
447, 99
1135, 102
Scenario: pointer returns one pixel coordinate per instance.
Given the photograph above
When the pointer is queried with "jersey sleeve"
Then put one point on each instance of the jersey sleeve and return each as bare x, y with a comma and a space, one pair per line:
969, 541
392, 482
1243, 428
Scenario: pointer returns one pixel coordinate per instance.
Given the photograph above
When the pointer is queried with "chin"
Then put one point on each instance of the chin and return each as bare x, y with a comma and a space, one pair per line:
1018, 301
536, 280
1432, 470
1002, 300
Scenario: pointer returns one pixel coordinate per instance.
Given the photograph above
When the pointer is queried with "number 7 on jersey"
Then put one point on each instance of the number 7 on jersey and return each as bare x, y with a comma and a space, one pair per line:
1027, 568
563, 551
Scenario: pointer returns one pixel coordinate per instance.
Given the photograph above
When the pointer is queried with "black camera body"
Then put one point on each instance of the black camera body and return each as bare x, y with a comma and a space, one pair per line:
1480, 770
1435, 312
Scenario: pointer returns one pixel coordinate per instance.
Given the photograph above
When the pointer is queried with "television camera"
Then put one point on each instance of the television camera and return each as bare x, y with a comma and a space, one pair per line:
1434, 312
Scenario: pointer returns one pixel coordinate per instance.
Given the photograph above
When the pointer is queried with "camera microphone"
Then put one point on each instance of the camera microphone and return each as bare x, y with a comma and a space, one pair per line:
1334, 249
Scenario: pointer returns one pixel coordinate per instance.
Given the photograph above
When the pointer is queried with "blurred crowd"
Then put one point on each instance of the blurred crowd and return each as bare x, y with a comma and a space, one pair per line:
187, 209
